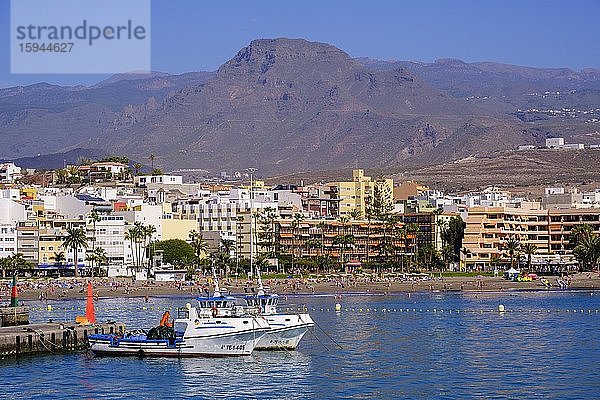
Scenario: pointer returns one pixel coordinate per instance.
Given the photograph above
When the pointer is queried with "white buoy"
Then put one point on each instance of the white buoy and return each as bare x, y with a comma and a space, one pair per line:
338, 307
49, 307
501, 308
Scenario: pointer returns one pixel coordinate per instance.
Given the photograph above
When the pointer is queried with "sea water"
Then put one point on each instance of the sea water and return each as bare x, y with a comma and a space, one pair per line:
429, 345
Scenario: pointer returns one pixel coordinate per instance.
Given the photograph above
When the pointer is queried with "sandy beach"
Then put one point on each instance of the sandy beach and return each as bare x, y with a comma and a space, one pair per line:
71, 288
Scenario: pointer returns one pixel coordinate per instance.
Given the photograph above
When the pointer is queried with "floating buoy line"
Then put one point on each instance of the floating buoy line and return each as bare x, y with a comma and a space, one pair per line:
337, 308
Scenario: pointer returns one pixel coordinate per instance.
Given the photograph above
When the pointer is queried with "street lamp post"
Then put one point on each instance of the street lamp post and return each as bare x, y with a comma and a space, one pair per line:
251, 171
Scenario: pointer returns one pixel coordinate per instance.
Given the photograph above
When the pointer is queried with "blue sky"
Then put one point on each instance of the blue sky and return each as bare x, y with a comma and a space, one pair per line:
192, 35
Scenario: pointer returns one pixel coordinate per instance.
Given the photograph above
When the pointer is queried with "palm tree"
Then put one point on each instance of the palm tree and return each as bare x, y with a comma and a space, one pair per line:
495, 262
61, 176
356, 214
199, 245
465, 253
224, 255
321, 225
94, 217
343, 242
530, 249
386, 247
4, 265
101, 257
587, 251
512, 244
13, 263
85, 161
413, 229
314, 244
137, 167
75, 239
441, 226
152, 157
137, 237
580, 232
148, 231
59, 258
295, 225
447, 254
130, 236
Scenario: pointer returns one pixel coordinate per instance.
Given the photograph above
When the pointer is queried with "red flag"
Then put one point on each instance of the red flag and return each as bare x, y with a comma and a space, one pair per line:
90, 313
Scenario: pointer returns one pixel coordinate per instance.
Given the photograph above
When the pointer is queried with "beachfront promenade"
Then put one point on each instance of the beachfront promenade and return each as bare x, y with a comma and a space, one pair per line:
66, 288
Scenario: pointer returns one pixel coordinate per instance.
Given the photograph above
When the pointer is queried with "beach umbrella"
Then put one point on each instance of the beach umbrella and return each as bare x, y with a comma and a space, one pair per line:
90, 313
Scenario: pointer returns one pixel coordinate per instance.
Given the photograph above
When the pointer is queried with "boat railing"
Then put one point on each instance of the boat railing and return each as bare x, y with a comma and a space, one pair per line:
183, 313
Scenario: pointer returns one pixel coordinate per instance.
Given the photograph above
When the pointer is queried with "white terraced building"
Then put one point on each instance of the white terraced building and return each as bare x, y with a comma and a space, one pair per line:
227, 213
8, 240
110, 234
9, 172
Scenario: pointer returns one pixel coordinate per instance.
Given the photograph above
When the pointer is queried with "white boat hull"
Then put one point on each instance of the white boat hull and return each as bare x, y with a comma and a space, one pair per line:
218, 337
286, 331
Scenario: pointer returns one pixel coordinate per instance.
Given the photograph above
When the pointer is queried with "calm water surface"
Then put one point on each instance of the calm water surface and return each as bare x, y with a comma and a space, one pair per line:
466, 351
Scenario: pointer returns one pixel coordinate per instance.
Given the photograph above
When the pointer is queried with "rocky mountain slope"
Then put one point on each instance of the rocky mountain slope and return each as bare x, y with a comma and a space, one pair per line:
286, 105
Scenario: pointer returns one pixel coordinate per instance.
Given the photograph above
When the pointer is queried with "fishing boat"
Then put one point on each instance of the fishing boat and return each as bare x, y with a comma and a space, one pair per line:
286, 330
217, 328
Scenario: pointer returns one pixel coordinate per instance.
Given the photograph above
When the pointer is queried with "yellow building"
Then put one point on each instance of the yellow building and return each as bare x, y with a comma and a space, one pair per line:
177, 225
356, 194
29, 192
52, 231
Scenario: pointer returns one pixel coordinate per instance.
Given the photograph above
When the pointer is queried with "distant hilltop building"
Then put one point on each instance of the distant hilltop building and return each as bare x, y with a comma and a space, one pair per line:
559, 144
555, 143
527, 147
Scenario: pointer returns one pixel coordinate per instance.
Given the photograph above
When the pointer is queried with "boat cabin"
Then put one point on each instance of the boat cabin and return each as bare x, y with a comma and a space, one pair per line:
217, 306
267, 303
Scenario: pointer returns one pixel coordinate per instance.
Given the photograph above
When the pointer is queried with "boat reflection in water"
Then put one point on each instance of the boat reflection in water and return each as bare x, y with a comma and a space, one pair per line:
249, 377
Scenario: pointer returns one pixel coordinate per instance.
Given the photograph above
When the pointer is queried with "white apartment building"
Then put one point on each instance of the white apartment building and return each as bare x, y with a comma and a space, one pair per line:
109, 235
144, 180
11, 212
151, 215
228, 213
8, 240
12, 194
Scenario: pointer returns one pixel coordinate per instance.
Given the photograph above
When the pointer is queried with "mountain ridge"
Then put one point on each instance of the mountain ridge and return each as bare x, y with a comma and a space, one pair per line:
290, 104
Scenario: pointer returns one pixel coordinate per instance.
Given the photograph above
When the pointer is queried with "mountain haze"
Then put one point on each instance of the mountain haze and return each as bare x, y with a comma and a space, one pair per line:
286, 105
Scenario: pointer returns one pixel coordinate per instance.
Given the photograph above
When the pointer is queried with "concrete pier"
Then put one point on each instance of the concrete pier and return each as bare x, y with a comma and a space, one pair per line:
58, 337
10, 316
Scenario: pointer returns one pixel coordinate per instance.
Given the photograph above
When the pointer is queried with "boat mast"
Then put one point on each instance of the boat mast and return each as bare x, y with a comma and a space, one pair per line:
261, 289
217, 292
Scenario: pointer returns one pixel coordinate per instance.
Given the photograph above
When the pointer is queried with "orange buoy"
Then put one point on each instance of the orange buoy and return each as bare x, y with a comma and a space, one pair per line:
90, 313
